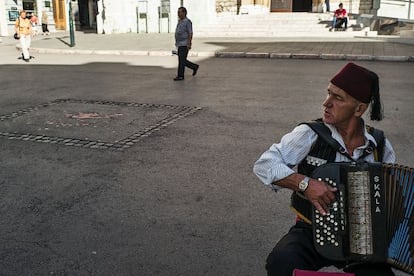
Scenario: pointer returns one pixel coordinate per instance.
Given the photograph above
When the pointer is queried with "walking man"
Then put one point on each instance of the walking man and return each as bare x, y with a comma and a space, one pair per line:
183, 38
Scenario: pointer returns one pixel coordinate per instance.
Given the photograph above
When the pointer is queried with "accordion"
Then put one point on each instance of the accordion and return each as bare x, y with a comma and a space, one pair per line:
371, 219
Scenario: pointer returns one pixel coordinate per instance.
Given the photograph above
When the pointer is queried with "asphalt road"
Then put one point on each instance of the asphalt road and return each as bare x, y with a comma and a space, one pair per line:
181, 200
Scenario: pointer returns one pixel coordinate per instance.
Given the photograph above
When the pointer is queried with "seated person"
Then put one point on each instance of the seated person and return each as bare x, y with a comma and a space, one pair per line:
340, 18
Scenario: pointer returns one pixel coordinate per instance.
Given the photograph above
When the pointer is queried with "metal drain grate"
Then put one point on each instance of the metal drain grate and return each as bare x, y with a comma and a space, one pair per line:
162, 116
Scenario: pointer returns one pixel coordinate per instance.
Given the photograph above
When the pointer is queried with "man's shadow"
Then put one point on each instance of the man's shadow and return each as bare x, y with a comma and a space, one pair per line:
327, 23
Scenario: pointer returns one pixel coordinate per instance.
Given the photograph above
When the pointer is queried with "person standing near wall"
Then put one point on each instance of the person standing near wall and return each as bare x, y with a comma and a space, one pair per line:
183, 40
23, 28
45, 30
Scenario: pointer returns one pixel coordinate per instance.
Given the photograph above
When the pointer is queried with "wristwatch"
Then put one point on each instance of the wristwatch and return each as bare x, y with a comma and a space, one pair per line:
303, 185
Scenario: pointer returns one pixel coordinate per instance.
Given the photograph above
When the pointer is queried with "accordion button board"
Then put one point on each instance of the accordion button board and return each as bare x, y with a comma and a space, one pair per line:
372, 218
329, 230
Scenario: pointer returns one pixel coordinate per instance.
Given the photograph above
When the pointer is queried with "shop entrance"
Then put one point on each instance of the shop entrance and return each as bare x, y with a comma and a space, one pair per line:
291, 6
302, 6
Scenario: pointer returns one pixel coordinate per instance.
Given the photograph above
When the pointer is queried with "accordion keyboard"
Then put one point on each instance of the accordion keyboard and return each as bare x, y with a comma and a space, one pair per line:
329, 229
373, 218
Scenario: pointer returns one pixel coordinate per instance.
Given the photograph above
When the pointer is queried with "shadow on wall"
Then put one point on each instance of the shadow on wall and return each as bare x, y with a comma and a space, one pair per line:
393, 26
386, 25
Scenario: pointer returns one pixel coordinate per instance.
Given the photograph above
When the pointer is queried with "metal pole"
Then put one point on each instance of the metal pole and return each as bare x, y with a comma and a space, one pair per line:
137, 20
146, 17
71, 30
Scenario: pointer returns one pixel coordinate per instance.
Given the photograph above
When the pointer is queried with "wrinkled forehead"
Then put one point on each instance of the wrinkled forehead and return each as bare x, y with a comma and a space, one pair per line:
338, 91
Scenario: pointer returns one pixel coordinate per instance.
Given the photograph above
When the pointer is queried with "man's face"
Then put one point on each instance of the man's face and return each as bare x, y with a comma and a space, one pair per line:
340, 107
181, 14
23, 15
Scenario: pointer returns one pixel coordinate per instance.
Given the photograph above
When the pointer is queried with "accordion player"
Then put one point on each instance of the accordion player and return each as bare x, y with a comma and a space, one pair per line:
371, 219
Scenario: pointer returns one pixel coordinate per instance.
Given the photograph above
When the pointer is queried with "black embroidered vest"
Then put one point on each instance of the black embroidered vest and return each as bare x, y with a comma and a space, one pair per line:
324, 151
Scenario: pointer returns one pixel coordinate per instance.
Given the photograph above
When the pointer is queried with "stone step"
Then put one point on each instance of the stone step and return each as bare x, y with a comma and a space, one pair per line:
327, 34
277, 24
407, 33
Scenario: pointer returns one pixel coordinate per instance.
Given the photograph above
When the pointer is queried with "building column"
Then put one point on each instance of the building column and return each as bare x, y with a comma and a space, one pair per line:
39, 8
100, 18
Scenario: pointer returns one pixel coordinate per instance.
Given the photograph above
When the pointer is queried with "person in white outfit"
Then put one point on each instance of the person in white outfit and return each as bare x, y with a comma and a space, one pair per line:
23, 28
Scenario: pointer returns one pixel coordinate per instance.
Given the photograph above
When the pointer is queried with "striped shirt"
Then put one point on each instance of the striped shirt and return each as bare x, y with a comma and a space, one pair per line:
280, 159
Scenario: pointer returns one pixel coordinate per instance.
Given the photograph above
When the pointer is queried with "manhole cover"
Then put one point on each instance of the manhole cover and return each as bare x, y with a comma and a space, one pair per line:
90, 124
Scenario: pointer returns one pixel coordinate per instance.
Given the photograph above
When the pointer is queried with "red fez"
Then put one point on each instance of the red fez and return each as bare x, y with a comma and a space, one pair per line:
356, 81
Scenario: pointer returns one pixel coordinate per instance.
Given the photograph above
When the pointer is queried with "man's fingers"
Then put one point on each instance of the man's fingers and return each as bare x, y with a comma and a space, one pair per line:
319, 208
330, 197
325, 200
332, 189
321, 195
331, 193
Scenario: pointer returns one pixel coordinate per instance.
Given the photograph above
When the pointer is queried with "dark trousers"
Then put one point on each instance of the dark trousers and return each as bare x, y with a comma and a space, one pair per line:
296, 250
327, 5
341, 21
183, 62
44, 28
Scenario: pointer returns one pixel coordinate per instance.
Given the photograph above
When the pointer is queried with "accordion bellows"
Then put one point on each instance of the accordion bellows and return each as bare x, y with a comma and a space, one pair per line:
372, 219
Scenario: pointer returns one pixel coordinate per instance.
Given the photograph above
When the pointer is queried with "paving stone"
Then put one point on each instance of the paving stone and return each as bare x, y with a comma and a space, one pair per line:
173, 113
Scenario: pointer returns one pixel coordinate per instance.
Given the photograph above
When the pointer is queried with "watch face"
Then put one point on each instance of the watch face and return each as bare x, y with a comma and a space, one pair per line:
303, 185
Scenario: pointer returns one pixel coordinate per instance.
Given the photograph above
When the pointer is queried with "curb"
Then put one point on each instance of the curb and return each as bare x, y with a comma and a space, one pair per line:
315, 56
116, 52
219, 54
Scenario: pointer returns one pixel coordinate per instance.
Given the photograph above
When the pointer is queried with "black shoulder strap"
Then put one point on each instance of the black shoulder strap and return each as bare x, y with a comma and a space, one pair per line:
324, 133
380, 139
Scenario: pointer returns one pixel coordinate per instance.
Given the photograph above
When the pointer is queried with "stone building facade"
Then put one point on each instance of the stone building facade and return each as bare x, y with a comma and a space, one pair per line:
251, 6
226, 6
9, 12
149, 16
160, 16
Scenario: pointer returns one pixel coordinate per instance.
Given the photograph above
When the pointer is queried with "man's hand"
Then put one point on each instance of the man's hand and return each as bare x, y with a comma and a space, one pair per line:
320, 195
189, 45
